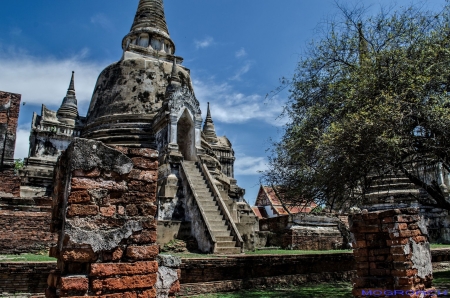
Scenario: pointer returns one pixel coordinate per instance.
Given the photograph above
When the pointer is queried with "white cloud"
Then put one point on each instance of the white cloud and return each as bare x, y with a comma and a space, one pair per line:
231, 106
45, 80
200, 44
241, 53
101, 20
22, 141
248, 165
243, 70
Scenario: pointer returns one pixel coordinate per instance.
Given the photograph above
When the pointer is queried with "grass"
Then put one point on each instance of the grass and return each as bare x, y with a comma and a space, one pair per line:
295, 252
334, 290
27, 257
434, 245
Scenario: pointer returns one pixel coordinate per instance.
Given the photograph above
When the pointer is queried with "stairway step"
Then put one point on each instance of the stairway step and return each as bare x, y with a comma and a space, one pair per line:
211, 209
207, 203
226, 244
228, 250
223, 233
224, 238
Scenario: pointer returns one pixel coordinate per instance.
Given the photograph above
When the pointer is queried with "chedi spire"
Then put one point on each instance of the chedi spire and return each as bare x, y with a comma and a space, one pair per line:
69, 108
149, 29
208, 128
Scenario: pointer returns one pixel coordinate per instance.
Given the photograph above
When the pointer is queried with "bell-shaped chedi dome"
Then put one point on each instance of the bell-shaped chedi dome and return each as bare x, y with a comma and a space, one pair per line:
130, 92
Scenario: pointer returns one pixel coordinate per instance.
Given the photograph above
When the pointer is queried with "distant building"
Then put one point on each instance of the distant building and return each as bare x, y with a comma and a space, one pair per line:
269, 205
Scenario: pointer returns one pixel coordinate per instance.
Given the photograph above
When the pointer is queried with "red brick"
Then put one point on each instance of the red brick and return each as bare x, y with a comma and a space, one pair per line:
137, 268
360, 244
125, 283
147, 252
409, 233
404, 273
82, 210
132, 210
86, 183
148, 294
144, 237
135, 197
419, 239
147, 209
142, 175
404, 281
145, 163
143, 186
145, 152
398, 249
74, 284
175, 288
406, 218
369, 229
82, 255
398, 241
77, 197
91, 174
108, 211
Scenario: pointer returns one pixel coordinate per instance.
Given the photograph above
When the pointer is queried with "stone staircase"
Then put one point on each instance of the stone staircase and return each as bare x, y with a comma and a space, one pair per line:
206, 200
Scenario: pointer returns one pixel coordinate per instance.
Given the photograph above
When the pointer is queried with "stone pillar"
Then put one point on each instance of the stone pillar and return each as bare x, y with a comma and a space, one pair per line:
104, 211
392, 254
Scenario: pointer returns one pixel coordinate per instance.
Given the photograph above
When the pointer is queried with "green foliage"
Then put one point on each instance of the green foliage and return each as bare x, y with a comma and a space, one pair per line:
18, 164
368, 99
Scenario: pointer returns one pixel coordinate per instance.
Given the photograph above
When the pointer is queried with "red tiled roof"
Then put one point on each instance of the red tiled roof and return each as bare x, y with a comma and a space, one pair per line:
278, 207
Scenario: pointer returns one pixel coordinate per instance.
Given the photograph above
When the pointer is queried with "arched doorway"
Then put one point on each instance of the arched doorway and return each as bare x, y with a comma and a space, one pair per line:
186, 136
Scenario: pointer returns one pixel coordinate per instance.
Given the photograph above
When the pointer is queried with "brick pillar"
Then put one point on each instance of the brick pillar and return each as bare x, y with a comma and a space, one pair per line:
104, 211
9, 115
392, 254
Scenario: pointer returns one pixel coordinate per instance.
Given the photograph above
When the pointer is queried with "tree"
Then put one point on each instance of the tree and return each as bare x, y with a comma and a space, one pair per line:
369, 99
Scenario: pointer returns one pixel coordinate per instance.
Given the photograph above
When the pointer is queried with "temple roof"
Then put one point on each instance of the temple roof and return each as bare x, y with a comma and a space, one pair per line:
208, 128
150, 13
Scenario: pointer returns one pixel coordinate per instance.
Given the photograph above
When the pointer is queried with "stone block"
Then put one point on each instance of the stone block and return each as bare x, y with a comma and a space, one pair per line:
78, 183
124, 283
147, 252
112, 269
144, 152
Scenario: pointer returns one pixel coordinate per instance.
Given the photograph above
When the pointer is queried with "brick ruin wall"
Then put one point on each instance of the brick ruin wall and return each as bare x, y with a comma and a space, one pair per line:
210, 275
103, 210
392, 254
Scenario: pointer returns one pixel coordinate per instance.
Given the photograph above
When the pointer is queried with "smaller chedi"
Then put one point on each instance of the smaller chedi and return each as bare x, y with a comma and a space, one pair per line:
51, 133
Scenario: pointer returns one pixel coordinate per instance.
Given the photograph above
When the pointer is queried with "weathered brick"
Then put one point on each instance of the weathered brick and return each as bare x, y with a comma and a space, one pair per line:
145, 152
111, 269
144, 237
82, 210
145, 163
81, 196
74, 283
175, 288
87, 183
143, 175
148, 294
397, 241
83, 255
147, 252
108, 211
125, 283
148, 209
91, 174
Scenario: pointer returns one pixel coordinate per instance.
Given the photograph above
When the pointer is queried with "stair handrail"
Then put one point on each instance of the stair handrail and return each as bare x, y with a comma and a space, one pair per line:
222, 205
202, 212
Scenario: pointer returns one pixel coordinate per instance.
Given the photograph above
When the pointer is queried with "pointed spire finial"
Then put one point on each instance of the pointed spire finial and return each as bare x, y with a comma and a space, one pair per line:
208, 129
71, 89
69, 108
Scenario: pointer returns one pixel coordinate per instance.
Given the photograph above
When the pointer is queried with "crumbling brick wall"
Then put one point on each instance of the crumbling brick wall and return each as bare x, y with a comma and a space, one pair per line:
104, 211
392, 254
9, 115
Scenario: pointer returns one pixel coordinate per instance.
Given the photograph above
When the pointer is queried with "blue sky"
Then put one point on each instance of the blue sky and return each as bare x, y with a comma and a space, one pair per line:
237, 51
